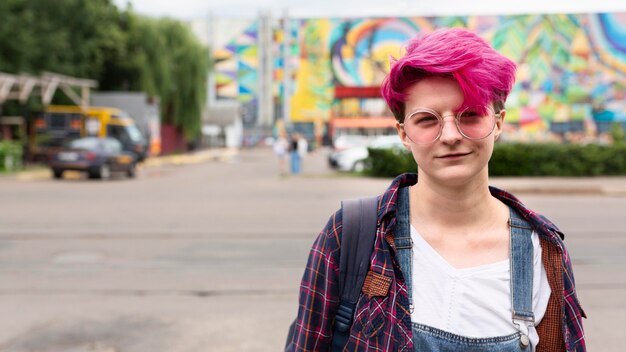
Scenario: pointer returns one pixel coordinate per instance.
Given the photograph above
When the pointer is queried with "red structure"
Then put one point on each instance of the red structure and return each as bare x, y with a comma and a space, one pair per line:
365, 122
342, 92
172, 140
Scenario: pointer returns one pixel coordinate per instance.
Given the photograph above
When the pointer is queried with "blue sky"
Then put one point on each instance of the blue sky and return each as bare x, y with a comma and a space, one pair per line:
195, 9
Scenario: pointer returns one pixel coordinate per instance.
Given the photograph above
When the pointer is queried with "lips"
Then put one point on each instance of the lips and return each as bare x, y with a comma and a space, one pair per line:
452, 155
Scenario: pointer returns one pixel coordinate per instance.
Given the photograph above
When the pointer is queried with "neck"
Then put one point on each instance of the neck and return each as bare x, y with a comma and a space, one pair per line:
462, 207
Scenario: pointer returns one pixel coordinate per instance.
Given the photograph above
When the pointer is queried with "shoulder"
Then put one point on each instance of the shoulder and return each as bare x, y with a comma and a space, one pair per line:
330, 238
544, 227
328, 242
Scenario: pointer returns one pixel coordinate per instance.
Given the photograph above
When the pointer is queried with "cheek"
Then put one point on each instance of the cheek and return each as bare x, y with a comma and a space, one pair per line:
418, 153
486, 149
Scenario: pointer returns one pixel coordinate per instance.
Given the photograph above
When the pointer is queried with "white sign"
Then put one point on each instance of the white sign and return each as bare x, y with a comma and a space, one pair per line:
92, 126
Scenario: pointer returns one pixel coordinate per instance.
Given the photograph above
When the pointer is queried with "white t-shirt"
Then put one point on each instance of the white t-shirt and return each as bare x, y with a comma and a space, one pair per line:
472, 302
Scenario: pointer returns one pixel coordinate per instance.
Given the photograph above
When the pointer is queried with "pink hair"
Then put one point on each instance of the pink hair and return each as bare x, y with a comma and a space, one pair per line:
484, 75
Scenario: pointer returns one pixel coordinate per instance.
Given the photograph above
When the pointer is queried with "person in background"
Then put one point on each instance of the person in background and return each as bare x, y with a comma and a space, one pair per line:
303, 147
298, 148
457, 265
280, 148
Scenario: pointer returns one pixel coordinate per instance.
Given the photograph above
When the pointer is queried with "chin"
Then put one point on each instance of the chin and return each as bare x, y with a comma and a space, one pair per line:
458, 176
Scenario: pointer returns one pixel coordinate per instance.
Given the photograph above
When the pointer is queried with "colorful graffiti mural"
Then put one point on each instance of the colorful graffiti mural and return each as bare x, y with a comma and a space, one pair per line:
571, 68
236, 72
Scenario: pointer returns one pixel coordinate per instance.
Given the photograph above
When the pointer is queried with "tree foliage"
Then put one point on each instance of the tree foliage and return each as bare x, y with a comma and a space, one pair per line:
118, 48
71, 37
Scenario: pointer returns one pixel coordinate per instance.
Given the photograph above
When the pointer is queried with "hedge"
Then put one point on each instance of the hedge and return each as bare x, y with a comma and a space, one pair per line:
10, 156
388, 162
512, 159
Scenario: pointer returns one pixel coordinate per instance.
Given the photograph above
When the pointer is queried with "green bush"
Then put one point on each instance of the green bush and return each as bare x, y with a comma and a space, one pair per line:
389, 162
512, 159
10, 156
617, 133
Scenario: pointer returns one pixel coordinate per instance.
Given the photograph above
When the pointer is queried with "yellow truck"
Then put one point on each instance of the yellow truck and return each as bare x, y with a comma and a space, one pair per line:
59, 124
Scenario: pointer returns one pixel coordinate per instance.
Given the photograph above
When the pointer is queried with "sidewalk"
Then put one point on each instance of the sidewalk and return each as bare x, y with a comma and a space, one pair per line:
221, 154
613, 186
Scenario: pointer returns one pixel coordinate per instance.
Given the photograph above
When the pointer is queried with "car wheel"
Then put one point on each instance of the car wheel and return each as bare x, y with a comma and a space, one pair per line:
103, 172
359, 166
132, 171
57, 174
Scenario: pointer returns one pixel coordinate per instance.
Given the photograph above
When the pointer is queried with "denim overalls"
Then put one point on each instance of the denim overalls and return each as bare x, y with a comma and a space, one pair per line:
429, 339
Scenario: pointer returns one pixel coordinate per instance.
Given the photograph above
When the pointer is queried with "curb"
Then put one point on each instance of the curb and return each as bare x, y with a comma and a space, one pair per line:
564, 186
33, 175
223, 155
556, 190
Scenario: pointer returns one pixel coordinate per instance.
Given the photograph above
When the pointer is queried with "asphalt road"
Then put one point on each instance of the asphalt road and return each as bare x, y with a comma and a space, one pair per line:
208, 256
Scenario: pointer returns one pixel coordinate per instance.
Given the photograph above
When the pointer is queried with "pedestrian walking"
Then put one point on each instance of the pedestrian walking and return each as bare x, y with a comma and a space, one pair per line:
281, 148
298, 149
456, 265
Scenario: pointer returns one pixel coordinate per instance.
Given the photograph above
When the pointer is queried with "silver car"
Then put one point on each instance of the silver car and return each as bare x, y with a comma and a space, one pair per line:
353, 158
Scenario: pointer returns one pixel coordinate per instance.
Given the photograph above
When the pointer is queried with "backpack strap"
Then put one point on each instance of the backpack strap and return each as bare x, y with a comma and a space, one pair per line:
359, 223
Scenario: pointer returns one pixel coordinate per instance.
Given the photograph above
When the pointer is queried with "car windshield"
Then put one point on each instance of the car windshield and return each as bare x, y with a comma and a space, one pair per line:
386, 142
347, 141
134, 133
85, 143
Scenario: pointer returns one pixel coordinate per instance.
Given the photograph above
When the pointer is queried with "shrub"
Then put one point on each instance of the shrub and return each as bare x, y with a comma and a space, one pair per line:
617, 133
10, 156
389, 162
512, 159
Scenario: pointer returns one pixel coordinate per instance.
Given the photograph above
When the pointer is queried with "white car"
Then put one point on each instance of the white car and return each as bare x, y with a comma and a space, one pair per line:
348, 141
353, 158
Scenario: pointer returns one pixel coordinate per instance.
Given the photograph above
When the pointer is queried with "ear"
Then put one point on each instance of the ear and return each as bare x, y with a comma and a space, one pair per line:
405, 140
499, 124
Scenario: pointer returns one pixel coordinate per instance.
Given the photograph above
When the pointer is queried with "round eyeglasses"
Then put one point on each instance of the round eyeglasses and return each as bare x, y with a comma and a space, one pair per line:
424, 125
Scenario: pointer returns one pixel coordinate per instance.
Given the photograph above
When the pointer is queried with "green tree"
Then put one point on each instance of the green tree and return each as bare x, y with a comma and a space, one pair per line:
71, 37
122, 50
163, 58
186, 95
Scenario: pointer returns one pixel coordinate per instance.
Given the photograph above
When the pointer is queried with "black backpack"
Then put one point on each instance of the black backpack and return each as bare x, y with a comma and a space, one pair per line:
359, 221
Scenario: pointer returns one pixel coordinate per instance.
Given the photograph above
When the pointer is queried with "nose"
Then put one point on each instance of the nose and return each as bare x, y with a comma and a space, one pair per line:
449, 131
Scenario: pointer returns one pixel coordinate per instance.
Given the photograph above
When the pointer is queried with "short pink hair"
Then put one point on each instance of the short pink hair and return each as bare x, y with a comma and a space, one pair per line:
484, 75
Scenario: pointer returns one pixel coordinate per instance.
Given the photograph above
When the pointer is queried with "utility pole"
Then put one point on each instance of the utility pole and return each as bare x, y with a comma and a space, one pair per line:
287, 69
265, 73
211, 44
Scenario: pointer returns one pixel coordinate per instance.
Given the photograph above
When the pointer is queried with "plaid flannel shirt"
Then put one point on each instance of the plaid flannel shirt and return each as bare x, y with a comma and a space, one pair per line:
382, 321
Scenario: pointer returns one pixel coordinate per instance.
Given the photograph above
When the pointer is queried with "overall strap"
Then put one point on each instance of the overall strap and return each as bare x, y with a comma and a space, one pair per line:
402, 240
359, 223
521, 270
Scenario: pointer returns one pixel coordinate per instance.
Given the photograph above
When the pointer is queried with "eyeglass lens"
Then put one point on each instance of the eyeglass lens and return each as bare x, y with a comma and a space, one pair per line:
425, 125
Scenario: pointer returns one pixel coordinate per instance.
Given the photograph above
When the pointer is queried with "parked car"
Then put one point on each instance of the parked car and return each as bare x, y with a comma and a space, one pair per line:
96, 156
348, 141
59, 123
353, 158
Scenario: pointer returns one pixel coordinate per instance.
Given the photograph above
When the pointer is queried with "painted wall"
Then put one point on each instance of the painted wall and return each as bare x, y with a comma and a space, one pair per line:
571, 68
236, 72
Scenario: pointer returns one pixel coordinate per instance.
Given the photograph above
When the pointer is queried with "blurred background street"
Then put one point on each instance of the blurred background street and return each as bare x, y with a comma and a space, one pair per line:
208, 256
170, 224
